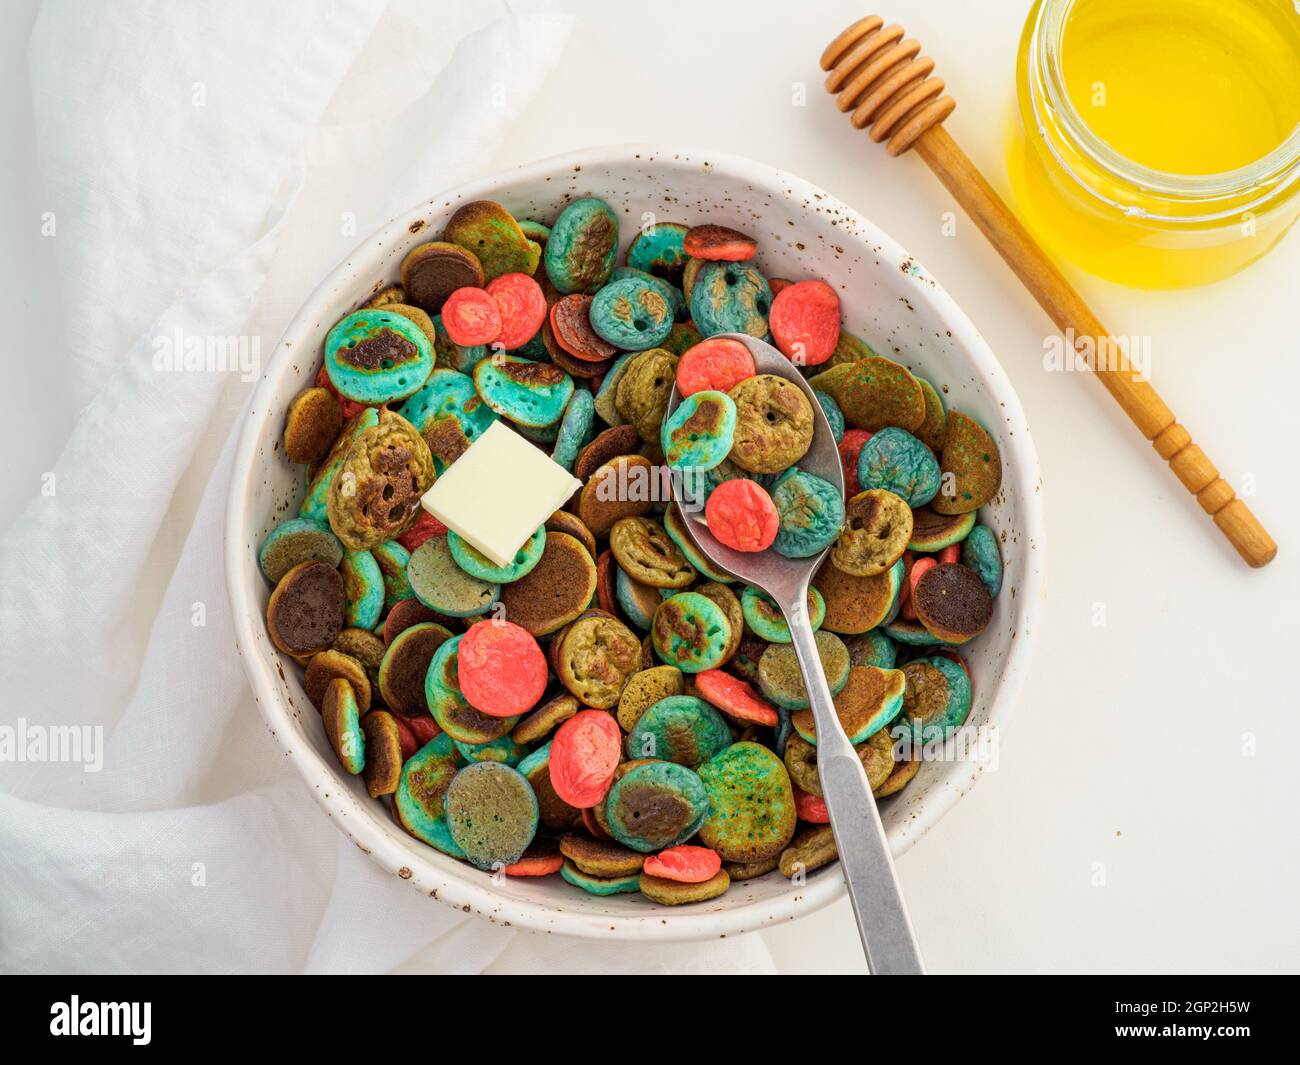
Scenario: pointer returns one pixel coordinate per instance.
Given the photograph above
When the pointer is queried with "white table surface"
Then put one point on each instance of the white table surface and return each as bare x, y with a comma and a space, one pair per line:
1141, 816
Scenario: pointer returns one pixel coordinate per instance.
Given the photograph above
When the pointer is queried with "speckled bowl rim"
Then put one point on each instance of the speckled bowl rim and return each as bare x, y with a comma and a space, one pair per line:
467, 889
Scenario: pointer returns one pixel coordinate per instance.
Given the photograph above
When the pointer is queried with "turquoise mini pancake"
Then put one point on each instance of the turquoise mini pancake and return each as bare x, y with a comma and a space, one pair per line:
529, 393
363, 584
676, 533
393, 558
600, 885
419, 800
784, 730
980, 552
478, 565
450, 355
440, 583
932, 531
632, 314
730, 298
811, 513
580, 253
502, 749
315, 503
868, 702
575, 428
637, 601
460, 721
609, 390
781, 680
872, 648
911, 633
448, 394
897, 461
297, 540
491, 813
682, 729
658, 250
764, 617
698, 435
377, 356
546, 435
752, 814
690, 632
833, 414
533, 349
937, 698
671, 293
654, 806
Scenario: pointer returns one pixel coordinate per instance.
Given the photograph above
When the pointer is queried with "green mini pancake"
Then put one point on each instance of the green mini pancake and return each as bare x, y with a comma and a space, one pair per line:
575, 428
441, 585
811, 512
637, 601
681, 337
781, 681
848, 350
897, 461
449, 708
533, 394
752, 815
503, 750
937, 697
491, 814
297, 540
419, 799
583, 244
691, 632
833, 413
315, 503
632, 314
677, 533
377, 356
600, 885
730, 298
363, 584
877, 393
608, 390
699, 433
932, 431
658, 250
932, 531
872, 648
869, 701
765, 619
538, 232
681, 729
478, 565
971, 466
489, 231
654, 806
448, 394
393, 559
980, 552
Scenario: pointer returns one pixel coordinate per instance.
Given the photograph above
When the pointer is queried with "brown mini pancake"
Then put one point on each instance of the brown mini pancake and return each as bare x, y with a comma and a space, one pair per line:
853, 604
314, 422
408, 612
750, 870
812, 848
971, 466
952, 603
571, 364
563, 521
606, 570
619, 489
383, 767
620, 440
899, 778
305, 612
545, 719
552, 811
932, 531
330, 665
432, 272
556, 590
405, 664
596, 857
386, 297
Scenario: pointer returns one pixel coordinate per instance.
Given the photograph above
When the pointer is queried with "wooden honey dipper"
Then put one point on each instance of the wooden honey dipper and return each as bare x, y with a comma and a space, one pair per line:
885, 82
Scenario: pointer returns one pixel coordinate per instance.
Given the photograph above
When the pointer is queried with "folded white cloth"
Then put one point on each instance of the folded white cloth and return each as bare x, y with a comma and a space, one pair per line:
206, 164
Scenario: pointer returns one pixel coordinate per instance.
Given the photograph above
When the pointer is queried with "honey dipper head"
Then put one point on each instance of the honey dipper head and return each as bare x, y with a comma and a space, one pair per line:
881, 77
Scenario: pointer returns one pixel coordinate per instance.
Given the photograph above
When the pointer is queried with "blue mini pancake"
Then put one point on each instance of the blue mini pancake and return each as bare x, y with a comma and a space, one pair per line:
673, 527
980, 552
654, 806
659, 250
315, 503
833, 414
580, 253
637, 601
491, 814
698, 435
937, 699
377, 356
682, 729
393, 558
363, 584
895, 460
671, 293
457, 719
872, 648
440, 583
297, 540
910, 633
450, 355
811, 513
420, 798
575, 428
529, 393
478, 565
448, 394
631, 313
503, 749
730, 298
600, 885
764, 618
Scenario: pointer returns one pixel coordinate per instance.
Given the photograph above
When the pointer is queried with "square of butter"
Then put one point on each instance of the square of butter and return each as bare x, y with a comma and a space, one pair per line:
497, 494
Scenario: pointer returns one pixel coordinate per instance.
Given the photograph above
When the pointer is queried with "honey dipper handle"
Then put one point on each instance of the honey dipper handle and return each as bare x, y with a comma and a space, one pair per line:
1067, 309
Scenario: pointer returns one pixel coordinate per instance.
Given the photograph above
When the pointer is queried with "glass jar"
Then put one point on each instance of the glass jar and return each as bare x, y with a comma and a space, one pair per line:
1130, 219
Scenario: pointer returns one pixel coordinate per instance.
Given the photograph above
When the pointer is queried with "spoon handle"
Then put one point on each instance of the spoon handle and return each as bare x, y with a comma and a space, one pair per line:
883, 923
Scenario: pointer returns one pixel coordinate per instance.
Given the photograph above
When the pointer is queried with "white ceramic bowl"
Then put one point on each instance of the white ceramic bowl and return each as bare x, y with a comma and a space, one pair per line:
888, 299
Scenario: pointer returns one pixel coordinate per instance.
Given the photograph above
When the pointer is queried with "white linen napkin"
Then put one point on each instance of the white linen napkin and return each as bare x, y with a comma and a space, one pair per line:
206, 165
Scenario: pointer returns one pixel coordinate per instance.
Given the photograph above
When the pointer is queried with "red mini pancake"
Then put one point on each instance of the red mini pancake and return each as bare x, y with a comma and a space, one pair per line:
542, 858
684, 864
809, 807
741, 514
571, 327
500, 668
425, 528
805, 322
351, 408
584, 754
735, 698
951, 553
850, 446
718, 243
718, 364
522, 305
911, 575
471, 317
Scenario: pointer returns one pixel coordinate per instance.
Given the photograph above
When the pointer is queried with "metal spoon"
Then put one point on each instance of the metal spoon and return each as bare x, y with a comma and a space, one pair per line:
883, 923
